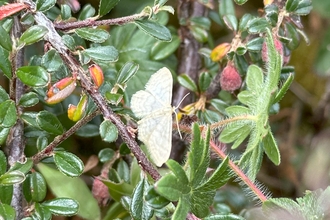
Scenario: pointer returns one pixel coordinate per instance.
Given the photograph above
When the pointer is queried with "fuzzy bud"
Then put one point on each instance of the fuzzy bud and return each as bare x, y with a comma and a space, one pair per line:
264, 51
230, 79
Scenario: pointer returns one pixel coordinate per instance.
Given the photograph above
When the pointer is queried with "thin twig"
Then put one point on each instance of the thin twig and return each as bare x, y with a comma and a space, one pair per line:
66, 26
48, 151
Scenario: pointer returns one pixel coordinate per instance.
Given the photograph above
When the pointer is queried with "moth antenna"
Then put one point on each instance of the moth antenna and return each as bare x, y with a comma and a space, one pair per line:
176, 115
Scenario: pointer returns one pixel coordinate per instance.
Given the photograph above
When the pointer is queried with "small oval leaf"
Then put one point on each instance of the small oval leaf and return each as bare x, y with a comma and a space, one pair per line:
44, 5
11, 178
34, 187
8, 114
62, 206
104, 53
33, 34
108, 131
49, 122
29, 99
187, 82
154, 29
68, 163
92, 34
34, 76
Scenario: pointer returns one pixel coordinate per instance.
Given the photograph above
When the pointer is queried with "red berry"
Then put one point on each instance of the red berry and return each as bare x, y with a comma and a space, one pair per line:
230, 80
264, 51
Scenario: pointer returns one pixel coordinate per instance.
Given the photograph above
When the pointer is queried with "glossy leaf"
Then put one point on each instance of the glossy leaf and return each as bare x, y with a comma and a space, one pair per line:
127, 71
162, 50
139, 209
292, 33
62, 206
6, 193
244, 21
103, 53
33, 34
29, 99
11, 178
49, 122
240, 2
23, 167
34, 76
86, 12
30, 118
68, 163
8, 114
106, 154
5, 65
154, 29
92, 34
257, 25
51, 61
200, 34
3, 162
5, 39
108, 131
65, 12
155, 200
204, 81
40, 212
106, 6
117, 190
187, 82
3, 134
34, 187
44, 5
69, 41
231, 22
255, 44
7, 212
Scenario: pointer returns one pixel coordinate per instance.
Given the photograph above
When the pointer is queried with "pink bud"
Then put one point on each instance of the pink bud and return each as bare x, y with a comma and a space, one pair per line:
264, 51
230, 80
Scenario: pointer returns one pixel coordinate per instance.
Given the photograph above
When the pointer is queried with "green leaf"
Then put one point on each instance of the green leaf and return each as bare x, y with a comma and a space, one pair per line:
11, 178
292, 33
30, 118
65, 12
103, 53
5, 65
106, 5
287, 208
69, 41
44, 5
179, 172
29, 99
8, 114
117, 190
3, 134
139, 209
3, 95
24, 167
280, 94
51, 61
32, 35
154, 29
181, 210
235, 132
224, 217
161, 50
92, 34
240, 2
226, 7
231, 22
243, 23
68, 163
74, 188
42, 143
34, 187
5, 39
169, 187
271, 148
3, 163
201, 202
255, 79
41, 212
34, 76
49, 122
200, 34
123, 170
257, 25
155, 200
6, 193
255, 44
62, 206
187, 82
86, 12
106, 154
204, 81
108, 131
7, 212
